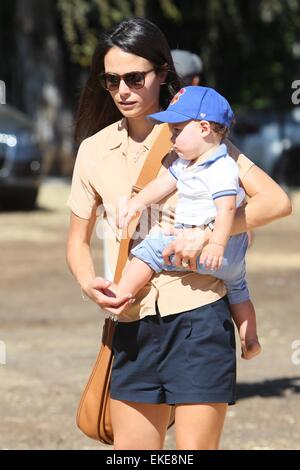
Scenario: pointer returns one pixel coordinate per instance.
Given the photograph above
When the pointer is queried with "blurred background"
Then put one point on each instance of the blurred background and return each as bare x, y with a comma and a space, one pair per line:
250, 52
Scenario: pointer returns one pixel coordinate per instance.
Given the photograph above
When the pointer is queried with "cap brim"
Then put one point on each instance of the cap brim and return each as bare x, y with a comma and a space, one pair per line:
169, 116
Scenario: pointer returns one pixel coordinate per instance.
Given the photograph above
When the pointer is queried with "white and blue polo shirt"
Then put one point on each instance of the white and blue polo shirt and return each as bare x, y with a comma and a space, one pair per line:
199, 186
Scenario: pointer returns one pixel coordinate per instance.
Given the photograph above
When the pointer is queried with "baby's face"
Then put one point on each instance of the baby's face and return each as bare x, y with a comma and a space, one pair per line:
187, 139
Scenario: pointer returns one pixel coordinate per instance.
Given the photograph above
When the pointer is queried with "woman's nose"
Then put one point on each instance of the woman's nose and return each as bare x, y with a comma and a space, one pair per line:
124, 89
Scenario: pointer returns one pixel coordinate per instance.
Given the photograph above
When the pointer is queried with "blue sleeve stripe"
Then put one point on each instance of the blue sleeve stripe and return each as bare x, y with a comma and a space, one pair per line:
228, 192
172, 172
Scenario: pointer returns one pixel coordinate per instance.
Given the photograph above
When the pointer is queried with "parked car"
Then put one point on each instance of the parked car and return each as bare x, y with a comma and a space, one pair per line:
272, 141
20, 159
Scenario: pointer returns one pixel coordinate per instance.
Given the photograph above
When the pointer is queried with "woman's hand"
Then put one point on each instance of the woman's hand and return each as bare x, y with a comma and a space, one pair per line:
187, 246
98, 291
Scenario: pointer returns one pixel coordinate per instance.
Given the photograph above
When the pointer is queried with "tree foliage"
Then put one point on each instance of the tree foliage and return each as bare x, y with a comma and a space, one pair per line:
250, 50
83, 19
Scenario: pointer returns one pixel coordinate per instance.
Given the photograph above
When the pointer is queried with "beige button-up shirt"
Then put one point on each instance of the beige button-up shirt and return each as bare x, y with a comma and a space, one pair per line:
102, 178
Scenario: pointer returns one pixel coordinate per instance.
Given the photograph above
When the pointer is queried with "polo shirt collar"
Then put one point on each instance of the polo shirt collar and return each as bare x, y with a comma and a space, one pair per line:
121, 140
219, 153
121, 135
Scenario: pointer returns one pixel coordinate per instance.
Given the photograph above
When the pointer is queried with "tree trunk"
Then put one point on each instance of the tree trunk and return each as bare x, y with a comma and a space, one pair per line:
39, 76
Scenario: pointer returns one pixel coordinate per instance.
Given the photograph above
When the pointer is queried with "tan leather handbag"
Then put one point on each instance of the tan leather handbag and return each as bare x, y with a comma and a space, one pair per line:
93, 415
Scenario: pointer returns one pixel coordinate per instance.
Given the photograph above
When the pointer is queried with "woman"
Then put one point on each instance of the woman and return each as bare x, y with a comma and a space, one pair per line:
175, 343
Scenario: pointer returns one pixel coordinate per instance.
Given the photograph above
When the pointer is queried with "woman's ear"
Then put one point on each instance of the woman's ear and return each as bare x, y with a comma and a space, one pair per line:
163, 74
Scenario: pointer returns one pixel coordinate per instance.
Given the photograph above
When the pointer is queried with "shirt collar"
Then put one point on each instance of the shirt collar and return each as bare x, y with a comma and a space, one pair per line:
219, 153
121, 140
121, 135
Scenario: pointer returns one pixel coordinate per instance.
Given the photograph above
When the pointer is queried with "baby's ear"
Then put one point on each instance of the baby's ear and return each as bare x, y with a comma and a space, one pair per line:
205, 127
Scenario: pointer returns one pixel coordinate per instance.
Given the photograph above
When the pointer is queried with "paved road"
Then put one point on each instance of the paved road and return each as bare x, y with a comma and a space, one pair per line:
51, 335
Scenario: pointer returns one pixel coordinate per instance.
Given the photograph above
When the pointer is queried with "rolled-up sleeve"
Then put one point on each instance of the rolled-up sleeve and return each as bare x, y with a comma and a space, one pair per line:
244, 165
83, 200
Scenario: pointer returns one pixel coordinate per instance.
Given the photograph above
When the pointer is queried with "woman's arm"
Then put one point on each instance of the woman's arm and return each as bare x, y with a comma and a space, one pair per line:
80, 263
267, 201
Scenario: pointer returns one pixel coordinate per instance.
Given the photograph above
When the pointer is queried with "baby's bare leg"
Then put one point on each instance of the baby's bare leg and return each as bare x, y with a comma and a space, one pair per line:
135, 276
244, 317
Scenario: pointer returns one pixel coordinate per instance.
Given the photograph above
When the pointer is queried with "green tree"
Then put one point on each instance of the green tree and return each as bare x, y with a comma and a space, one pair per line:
250, 50
83, 19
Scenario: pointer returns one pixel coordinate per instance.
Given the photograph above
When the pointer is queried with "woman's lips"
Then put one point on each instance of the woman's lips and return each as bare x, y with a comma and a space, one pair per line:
127, 104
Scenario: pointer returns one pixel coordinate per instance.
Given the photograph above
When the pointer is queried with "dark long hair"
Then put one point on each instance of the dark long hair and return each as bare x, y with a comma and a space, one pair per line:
137, 36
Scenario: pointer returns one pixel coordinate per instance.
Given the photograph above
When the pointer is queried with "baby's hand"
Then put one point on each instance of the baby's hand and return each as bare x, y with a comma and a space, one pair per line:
122, 215
212, 256
127, 214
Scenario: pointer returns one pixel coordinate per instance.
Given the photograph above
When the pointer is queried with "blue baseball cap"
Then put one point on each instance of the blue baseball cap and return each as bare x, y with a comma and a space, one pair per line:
196, 102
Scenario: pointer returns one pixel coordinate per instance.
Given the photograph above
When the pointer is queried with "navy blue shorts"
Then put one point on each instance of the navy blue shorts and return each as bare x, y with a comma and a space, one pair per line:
188, 357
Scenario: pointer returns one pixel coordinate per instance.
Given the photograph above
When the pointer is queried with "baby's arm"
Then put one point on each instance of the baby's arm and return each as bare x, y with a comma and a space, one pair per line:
157, 189
212, 254
135, 277
153, 192
137, 273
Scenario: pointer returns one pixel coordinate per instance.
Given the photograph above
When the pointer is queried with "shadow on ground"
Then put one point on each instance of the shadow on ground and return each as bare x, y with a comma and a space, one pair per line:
269, 388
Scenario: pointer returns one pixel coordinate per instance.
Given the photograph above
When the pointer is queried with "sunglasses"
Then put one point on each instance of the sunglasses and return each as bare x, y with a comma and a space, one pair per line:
135, 80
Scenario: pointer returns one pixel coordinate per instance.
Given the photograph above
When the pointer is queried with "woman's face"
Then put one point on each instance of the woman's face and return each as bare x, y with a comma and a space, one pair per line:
133, 103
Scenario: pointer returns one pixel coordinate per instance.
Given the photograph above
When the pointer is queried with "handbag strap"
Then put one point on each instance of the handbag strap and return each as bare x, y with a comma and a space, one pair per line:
149, 171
